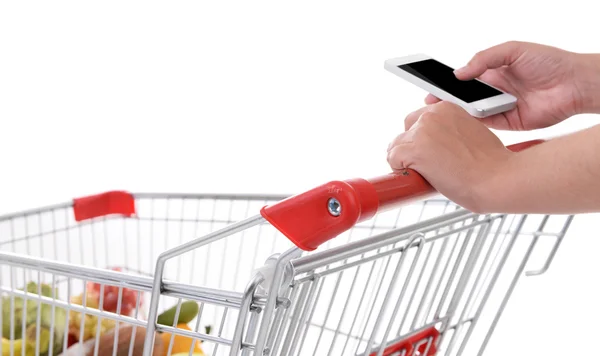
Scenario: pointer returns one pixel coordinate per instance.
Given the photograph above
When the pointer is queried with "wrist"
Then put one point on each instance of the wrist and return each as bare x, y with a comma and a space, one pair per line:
492, 193
587, 82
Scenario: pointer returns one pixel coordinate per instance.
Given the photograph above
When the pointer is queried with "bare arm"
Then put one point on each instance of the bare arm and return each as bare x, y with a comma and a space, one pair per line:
561, 176
588, 83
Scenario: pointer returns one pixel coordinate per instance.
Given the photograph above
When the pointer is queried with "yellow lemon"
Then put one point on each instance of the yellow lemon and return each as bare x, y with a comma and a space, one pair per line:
181, 344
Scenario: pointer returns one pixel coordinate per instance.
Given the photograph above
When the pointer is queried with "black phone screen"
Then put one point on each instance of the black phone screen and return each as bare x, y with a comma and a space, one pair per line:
442, 76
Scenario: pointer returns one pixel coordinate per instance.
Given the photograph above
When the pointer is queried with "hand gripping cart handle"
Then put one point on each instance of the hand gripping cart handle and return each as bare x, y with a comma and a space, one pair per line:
281, 317
306, 222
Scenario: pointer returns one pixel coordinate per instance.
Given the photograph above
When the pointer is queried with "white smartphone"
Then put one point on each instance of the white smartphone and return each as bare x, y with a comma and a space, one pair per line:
477, 98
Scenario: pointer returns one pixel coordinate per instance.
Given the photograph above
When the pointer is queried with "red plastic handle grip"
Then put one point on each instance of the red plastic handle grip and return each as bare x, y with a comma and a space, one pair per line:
320, 214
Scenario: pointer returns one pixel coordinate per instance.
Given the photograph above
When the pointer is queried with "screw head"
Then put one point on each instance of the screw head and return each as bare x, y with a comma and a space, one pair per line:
334, 207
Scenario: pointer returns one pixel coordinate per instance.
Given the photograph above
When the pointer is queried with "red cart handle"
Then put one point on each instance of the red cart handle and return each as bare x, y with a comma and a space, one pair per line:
320, 214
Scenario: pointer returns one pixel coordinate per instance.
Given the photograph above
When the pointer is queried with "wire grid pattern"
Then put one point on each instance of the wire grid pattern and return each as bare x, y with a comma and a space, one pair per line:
165, 221
456, 275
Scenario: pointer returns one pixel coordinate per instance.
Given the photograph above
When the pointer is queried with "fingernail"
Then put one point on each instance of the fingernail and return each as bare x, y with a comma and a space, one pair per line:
459, 70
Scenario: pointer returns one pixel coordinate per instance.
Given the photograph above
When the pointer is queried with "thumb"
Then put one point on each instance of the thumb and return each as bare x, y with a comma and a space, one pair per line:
494, 57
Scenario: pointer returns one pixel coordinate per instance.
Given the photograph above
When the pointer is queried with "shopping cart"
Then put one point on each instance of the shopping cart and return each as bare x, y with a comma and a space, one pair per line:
126, 274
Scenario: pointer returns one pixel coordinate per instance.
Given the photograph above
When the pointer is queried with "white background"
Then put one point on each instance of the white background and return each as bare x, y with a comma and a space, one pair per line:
263, 97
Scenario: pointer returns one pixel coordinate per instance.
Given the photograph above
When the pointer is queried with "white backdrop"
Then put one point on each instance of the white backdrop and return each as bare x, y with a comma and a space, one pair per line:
271, 97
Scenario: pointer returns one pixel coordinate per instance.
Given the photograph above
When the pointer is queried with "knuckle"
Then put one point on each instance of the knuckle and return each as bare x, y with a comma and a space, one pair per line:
392, 156
427, 117
396, 158
512, 43
445, 105
478, 57
411, 119
447, 109
421, 135
402, 155
394, 142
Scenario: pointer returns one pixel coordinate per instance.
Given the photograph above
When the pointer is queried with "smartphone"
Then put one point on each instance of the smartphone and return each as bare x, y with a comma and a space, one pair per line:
476, 97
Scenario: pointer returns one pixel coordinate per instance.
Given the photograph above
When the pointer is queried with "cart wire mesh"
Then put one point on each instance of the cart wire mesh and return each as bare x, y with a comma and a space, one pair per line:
428, 266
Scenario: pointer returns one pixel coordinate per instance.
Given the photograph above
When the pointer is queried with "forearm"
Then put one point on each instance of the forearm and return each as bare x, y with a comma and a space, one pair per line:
588, 83
561, 176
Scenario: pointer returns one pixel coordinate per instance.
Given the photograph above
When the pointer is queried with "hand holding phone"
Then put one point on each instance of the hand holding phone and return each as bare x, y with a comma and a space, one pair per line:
477, 98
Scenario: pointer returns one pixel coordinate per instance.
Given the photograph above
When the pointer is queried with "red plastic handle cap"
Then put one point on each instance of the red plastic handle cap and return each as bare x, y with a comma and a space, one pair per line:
307, 220
109, 203
313, 217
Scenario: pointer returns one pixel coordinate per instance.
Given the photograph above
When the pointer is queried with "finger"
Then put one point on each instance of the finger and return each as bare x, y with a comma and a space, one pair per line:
502, 122
494, 57
430, 99
399, 157
396, 141
403, 138
496, 122
413, 117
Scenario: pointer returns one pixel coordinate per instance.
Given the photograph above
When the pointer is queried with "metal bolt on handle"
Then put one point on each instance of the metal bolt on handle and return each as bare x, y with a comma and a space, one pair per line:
334, 207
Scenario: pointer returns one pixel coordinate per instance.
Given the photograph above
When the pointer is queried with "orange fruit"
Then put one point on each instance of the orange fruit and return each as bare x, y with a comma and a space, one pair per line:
181, 343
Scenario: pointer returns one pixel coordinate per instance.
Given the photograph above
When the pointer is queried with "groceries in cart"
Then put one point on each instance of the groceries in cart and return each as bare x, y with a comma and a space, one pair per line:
20, 322
30, 326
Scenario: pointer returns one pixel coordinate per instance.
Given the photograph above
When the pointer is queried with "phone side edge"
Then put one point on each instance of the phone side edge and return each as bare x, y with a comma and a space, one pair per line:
411, 58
